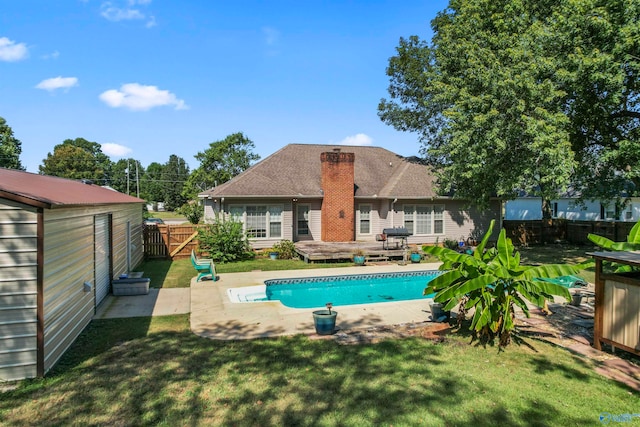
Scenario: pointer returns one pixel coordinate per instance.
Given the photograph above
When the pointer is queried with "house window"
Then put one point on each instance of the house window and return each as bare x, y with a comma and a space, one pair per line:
259, 221
275, 221
628, 215
365, 219
555, 209
424, 219
256, 222
303, 220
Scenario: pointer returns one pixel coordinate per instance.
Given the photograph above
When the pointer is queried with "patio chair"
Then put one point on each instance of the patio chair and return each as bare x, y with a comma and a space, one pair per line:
204, 267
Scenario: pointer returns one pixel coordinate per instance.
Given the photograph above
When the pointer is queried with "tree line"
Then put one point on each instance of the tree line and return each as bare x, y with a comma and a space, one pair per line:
171, 183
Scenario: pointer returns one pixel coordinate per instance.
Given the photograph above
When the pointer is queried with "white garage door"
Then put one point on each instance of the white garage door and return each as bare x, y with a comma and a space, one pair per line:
102, 252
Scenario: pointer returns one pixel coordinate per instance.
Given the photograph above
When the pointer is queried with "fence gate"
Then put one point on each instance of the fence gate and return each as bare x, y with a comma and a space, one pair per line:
102, 252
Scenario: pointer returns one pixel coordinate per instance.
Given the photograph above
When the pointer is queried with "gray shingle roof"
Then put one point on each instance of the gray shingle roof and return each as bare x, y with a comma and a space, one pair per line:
294, 171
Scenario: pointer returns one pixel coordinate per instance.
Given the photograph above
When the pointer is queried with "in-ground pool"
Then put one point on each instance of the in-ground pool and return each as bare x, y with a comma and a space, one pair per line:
310, 292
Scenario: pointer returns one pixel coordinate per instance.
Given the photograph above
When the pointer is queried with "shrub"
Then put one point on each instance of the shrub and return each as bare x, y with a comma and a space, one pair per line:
286, 249
450, 244
225, 241
192, 211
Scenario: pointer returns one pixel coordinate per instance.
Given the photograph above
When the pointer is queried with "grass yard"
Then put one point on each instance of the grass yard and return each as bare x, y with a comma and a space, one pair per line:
145, 371
154, 371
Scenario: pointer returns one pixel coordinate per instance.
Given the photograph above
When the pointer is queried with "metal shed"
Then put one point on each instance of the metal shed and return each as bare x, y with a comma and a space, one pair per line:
61, 243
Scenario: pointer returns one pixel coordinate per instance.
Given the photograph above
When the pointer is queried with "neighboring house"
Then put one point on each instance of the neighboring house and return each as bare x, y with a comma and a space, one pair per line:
61, 243
341, 194
530, 208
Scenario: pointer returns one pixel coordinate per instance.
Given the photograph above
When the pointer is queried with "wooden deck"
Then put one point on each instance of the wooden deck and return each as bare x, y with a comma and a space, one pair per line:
343, 251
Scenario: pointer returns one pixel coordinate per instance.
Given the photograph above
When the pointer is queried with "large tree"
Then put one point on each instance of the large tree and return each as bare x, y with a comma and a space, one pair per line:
174, 175
10, 147
515, 95
220, 162
78, 159
151, 185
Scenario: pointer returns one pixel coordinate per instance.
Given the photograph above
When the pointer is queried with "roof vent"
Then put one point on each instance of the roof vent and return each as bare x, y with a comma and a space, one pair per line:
87, 181
337, 149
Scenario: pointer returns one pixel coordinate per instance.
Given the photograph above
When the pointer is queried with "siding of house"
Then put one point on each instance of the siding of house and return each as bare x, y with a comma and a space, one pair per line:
18, 291
315, 219
69, 263
459, 223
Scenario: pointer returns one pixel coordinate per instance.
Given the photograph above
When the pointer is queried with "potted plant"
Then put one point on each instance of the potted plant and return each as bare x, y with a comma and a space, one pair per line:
416, 255
359, 257
325, 320
273, 255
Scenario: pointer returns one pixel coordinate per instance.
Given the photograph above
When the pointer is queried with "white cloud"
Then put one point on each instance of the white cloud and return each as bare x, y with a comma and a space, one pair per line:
139, 97
271, 35
11, 51
125, 12
358, 139
57, 83
115, 150
53, 55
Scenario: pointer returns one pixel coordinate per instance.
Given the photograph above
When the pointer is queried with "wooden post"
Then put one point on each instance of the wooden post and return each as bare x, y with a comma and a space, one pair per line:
599, 306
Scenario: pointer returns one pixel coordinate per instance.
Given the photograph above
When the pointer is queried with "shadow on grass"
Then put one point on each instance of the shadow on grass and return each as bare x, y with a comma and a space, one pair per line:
118, 371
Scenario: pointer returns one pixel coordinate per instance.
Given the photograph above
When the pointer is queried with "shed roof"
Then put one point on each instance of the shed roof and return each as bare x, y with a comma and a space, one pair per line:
295, 171
53, 192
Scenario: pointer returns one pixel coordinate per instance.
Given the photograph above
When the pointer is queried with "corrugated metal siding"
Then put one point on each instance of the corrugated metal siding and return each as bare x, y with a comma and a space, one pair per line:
621, 317
102, 257
119, 219
18, 291
69, 262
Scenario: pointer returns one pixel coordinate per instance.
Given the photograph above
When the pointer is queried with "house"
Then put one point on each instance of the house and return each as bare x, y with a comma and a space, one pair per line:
342, 194
568, 207
61, 243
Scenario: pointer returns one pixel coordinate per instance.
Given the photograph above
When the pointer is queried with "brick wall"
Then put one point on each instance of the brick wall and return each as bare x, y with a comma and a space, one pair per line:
338, 206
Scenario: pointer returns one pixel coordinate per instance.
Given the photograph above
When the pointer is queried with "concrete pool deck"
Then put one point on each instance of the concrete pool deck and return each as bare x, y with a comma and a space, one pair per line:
214, 316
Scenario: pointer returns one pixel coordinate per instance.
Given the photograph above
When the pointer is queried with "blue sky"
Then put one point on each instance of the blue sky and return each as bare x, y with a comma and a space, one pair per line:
151, 78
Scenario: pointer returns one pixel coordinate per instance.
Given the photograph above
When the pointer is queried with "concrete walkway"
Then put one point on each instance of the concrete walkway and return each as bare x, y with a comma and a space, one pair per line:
159, 302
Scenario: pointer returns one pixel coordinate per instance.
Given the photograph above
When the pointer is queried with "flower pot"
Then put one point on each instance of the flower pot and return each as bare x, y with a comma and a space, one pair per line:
415, 258
359, 259
273, 255
325, 321
437, 312
576, 299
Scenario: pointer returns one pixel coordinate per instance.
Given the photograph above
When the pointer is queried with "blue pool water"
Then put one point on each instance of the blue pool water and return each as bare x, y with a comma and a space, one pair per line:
315, 292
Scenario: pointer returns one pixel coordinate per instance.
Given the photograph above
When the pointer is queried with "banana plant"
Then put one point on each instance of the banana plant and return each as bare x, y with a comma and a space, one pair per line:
632, 244
492, 282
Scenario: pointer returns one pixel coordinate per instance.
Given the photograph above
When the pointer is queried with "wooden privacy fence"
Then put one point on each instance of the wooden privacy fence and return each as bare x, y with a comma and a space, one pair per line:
554, 230
169, 241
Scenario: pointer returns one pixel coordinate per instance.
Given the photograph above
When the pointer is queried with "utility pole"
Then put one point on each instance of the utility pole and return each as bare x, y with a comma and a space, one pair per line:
137, 181
127, 176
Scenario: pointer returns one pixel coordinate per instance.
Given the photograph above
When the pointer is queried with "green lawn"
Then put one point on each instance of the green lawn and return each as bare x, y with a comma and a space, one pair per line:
146, 371
153, 371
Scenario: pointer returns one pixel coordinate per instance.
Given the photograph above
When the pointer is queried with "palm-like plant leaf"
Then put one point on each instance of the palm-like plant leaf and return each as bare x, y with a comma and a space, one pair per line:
492, 281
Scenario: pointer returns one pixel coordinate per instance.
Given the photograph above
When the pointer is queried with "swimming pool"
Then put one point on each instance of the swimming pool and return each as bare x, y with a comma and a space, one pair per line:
312, 292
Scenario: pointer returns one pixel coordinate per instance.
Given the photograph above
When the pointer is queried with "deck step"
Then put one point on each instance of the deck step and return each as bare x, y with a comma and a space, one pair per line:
376, 258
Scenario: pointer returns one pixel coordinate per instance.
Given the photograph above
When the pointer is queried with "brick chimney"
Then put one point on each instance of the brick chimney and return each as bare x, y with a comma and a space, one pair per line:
338, 205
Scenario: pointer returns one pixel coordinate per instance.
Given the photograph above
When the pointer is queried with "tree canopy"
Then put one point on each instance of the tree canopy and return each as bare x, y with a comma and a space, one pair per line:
78, 159
10, 147
220, 162
174, 175
530, 96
